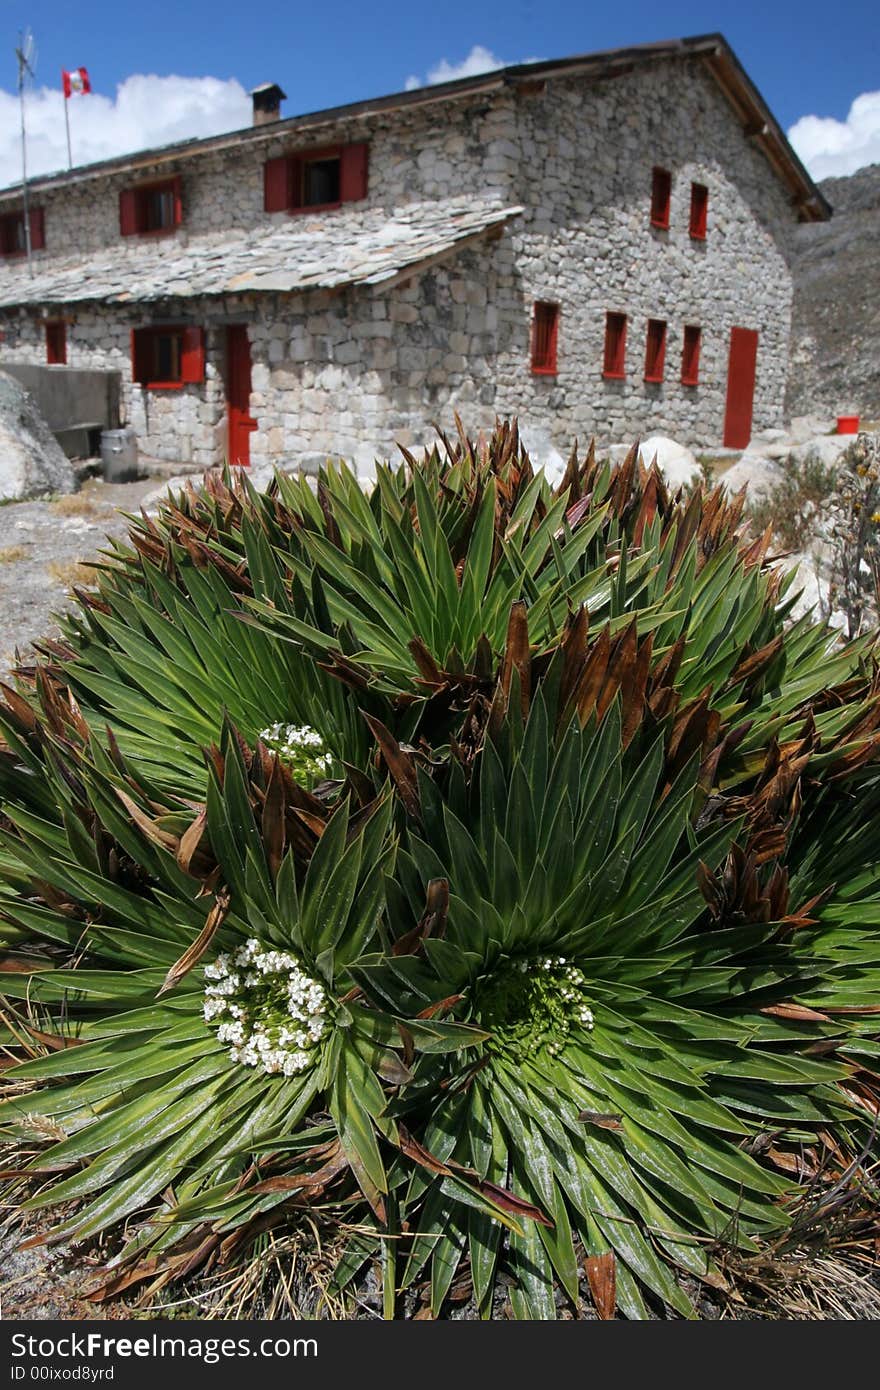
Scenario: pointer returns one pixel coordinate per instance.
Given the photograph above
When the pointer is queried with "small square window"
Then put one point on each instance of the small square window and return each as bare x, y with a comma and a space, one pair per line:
151, 208
13, 237
320, 182
316, 179
614, 365
699, 211
655, 350
690, 355
661, 195
167, 356
545, 331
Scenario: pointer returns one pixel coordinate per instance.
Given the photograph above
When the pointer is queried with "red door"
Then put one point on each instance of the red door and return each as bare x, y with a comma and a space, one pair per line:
238, 394
740, 387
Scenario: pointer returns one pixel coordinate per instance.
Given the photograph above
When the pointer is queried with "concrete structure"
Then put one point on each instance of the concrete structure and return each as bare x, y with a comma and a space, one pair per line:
599, 244
77, 404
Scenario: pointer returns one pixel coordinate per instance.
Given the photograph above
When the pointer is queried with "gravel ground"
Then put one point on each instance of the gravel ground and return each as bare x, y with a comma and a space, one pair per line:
41, 546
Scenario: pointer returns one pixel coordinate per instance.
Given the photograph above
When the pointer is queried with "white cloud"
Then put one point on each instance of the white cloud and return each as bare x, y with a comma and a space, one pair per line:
829, 147
148, 110
479, 60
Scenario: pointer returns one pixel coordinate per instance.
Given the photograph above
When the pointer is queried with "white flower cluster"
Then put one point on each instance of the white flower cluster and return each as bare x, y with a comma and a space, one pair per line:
292, 741
270, 1011
571, 988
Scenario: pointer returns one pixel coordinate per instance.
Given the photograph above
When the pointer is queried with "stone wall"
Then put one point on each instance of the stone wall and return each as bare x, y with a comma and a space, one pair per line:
585, 241
352, 373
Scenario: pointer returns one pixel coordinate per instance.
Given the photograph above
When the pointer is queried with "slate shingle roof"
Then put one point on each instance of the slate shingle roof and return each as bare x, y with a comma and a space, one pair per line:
325, 253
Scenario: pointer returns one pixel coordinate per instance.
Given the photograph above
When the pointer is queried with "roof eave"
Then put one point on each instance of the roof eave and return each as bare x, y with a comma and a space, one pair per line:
757, 119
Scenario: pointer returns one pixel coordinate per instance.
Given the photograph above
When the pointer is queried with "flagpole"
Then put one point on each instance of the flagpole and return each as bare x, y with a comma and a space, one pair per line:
67, 128
22, 65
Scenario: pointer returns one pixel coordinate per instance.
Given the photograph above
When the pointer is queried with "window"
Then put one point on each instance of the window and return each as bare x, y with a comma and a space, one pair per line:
151, 207
690, 355
545, 327
167, 356
661, 192
56, 343
12, 237
315, 179
655, 350
699, 210
615, 346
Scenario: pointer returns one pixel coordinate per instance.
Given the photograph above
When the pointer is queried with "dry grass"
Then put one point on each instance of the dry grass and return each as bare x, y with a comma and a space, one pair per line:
10, 553
827, 1267
69, 573
74, 505
285, 1276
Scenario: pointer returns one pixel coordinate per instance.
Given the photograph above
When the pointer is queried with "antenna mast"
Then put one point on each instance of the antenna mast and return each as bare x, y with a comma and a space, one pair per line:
24, 53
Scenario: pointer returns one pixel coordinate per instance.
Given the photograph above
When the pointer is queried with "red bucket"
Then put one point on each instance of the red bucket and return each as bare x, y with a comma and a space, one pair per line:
847, 424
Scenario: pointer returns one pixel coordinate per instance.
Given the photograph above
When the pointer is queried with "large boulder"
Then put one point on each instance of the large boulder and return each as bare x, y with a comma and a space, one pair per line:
677, 464
761, 475
32, 461
824, 449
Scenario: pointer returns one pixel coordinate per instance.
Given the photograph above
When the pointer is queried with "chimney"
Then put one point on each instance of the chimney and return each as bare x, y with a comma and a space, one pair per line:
267, 99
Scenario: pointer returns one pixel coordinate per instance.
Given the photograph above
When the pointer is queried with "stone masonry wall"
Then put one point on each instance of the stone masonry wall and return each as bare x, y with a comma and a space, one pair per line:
585, 242
414, 156
350, 374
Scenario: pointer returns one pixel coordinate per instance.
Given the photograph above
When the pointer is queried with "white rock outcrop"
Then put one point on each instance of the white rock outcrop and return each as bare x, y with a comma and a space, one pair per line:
677, 464
32, 462
761, 475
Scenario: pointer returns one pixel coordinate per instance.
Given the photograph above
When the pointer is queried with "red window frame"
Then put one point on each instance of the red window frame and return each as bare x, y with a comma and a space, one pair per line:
12, 238
135, 207
614, 363
655, 350
283, 178
699, 211
187, 348
545, 338
661, 197
56, 343
690, 355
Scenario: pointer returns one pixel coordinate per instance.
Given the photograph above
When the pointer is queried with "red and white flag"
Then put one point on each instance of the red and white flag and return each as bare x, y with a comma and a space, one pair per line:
76, 82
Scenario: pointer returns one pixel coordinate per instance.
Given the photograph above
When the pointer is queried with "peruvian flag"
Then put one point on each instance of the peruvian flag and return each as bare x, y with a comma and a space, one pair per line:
76, 82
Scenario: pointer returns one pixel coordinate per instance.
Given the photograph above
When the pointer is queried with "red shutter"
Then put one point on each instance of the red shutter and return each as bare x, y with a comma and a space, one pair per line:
192, 355
655, 350
128, 209
545, 327
139, 370
56, 343
661, 192
615, 345
178, 200
38, 229
690, 357
276, 184
353, 173
699, 210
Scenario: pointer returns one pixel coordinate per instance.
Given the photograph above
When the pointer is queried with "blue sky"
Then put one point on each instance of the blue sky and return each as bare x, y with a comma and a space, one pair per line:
806, 58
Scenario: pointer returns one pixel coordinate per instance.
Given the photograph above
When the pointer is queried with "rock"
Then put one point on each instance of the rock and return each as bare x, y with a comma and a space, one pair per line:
806, 427
812, 590
754, 471
32, 462
826, 449
616, 453
536, 442
677, 464
774, 451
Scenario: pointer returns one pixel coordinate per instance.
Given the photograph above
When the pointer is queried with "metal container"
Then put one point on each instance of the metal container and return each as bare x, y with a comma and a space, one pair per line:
119, 455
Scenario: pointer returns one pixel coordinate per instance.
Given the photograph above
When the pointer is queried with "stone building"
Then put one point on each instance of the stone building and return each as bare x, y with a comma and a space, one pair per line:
599, 244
